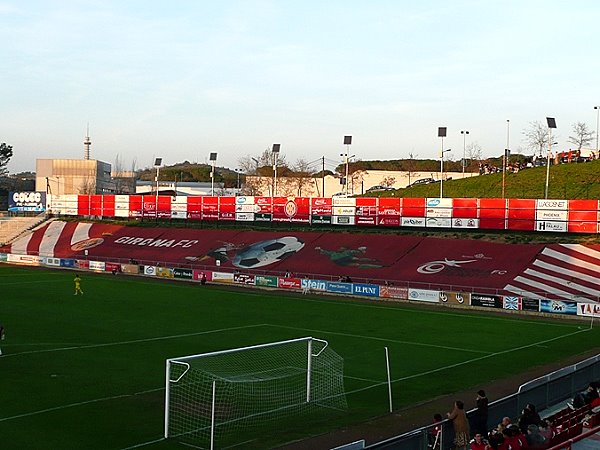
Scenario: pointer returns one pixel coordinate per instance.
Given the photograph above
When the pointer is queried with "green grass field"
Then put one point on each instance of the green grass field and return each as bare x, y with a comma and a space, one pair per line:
88, 372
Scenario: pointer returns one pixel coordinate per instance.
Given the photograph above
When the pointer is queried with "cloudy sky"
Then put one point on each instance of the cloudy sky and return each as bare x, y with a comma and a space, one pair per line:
181, 79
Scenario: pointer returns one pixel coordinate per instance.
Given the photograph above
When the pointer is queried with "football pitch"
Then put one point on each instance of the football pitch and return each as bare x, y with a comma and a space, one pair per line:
88, 371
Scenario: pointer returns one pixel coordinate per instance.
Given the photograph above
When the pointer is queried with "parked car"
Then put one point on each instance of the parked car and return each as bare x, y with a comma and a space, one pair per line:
421, 181
379, 187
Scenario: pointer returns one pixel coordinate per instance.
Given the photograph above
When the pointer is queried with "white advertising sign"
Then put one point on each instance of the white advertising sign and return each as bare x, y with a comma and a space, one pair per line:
244, 216
554, 227
551, 214
552, 204
343, 201
342, 220
344, 211
435, 222
97, 265
424, 295
413, 221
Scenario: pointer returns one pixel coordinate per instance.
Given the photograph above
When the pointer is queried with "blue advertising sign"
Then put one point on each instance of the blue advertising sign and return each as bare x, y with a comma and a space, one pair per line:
339, 288
558, 307
67, 262
368, 290
26, 201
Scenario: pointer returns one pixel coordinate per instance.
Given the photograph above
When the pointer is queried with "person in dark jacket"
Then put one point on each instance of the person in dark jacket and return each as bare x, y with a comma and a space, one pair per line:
529, 417
480, 416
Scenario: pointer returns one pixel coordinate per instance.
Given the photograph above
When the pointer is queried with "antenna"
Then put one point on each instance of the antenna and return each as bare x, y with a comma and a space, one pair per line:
87, 143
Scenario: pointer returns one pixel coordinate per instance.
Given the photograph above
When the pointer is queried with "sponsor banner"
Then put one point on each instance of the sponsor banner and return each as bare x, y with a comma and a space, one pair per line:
362, 220
120, 198
413, 221
320, 219
438, 212
388, 221
150, 271
3, 257
122, 213
339, 288
112, 267
97, 265
588, 309
458, 222
179, 207
178, 214
82, 264
424, 295
314, 285
367, 290
247, 208
531, 304
197, 274
164, 272
187, 274
24, 259
265, 280
244, 217
130, 268
244, 200
263, 217
342, 220
558, 307
244, 278
27, 201
520, 303
487, 301
433, 222
67, 263
289, 283
543, 225
52, 261
552, 204
344, 201
548, 214
370, 211
436, 202
344, 211
455, 298
226, 215
222, 277
321, 206
393, 292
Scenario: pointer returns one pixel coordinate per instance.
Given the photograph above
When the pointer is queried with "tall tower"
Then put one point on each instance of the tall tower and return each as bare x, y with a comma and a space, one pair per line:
87, 143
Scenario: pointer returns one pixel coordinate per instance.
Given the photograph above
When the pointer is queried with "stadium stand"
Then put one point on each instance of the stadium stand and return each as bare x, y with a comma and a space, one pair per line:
12, 227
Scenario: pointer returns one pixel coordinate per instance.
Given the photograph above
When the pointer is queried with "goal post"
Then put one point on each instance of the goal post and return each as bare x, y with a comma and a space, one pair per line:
230, 395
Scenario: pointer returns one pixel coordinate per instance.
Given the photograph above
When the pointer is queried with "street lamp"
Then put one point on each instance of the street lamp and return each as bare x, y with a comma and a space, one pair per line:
506, 155
442, 171
347, 143
597, 108
213, 159
157, 164
464, 161
238, 178
275, 152
551, 124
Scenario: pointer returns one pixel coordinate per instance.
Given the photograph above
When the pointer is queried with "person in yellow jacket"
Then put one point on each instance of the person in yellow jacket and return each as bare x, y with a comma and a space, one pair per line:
77, 281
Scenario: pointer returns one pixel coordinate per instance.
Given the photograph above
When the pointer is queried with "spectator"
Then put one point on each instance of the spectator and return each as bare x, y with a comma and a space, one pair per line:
529, 417
547, 429
584, 398
478, 443
480, 417
534, 438
203, 279
503, 424
435, 433
460, 424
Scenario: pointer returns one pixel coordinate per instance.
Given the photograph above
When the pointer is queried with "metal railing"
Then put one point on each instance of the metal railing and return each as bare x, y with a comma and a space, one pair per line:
543, 392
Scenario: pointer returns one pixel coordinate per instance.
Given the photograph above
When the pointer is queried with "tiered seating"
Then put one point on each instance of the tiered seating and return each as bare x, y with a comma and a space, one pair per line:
12, 227
569, 423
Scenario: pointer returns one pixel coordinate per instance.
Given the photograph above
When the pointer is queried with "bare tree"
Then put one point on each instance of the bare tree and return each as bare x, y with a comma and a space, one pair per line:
411, 166
388, 181
301, 176
87, 186
581, 136
536, 137
474, 154
261, 164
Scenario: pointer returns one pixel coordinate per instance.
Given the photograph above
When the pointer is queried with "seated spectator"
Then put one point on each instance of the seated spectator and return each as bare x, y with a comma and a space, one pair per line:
515, 438
534, 438
478, 442
503, 424
584, 398
547, 429
529, 417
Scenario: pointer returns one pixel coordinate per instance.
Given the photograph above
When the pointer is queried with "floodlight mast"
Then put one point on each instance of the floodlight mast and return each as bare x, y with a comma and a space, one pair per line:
213, 159
275, 151
157, 164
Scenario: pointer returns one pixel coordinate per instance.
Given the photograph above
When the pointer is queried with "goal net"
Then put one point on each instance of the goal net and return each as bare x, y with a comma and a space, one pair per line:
231, 396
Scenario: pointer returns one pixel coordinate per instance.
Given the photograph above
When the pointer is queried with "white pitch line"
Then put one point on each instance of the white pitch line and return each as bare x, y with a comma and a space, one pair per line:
419, 344
135, 341
143, 444
452, 366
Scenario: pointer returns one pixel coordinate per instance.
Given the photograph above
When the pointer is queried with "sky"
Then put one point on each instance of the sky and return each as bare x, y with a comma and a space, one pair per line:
182, 79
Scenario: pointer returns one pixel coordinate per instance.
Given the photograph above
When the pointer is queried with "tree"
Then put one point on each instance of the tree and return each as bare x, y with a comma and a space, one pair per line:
301, 175
411, 166
474, 155
6, 152
536, 137
261, 164
581, 136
